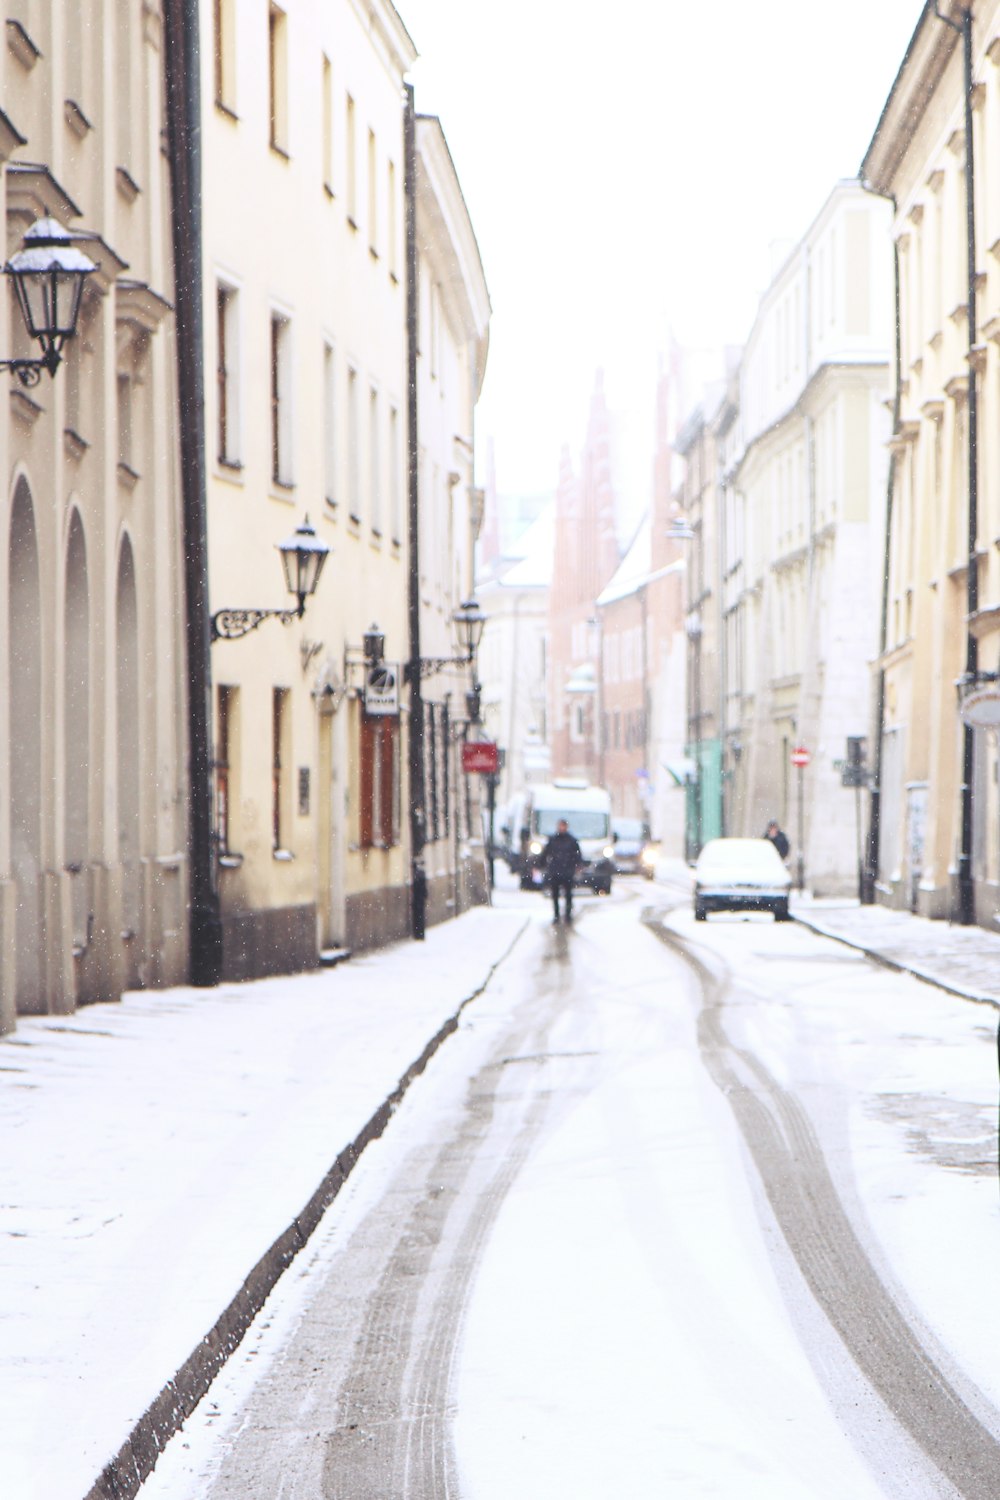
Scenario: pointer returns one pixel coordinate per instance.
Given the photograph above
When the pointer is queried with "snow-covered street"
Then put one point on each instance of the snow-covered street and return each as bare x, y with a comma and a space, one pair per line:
610, 1289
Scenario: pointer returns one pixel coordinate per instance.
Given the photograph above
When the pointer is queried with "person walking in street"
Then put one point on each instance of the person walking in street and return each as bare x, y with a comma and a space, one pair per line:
561, 858
780, 840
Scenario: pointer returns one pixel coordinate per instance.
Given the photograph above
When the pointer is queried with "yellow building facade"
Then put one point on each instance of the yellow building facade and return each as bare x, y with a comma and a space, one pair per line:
935, 845
307, 347
93, 839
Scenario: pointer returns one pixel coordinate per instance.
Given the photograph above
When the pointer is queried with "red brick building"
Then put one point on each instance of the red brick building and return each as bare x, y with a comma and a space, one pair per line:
586, 557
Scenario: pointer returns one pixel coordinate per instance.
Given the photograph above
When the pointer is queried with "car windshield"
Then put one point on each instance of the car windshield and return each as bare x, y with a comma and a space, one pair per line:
583, 824
628, 828
728, 854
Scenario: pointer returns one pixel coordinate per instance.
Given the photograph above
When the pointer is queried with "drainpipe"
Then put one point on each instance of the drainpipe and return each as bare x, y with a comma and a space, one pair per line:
181, 58
415, 744
869, 875
966, 885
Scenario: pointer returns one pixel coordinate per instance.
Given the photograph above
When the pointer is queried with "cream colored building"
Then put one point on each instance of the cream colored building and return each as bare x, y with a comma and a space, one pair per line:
802, 551
918, 155
453, 338
93, 872
513, 592
305, 215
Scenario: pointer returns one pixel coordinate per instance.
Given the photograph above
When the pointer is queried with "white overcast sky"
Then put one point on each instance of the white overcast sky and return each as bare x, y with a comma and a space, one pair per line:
627, 167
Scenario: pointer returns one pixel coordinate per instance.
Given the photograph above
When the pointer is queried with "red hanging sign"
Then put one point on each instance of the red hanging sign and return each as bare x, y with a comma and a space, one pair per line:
480, 756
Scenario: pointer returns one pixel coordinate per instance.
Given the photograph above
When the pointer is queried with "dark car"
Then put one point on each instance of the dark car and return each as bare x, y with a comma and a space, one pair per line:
631, 840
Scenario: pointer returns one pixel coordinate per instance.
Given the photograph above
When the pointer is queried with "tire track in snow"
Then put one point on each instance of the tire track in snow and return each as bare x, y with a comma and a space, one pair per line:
888, 1351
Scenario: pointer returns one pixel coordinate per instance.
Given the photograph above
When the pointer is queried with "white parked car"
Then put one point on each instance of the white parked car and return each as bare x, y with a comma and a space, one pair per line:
740, 875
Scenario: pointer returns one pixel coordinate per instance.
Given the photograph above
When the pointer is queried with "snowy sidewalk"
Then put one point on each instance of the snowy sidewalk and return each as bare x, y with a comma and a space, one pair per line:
963, 960
165, 1158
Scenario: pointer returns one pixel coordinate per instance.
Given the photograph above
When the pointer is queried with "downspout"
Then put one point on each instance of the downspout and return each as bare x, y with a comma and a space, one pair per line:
966, 884
183, 94
869, 876
415, 743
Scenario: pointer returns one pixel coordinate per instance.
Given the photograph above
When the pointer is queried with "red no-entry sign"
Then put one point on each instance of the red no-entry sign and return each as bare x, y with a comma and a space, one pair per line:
800, 756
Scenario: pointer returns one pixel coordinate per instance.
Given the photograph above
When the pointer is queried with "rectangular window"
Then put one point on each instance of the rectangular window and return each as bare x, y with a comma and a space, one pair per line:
395, 486
225, 54
378, 800
327, 125
277, 53
122, 36
125, 419
374, 467
329, 427
225, 716
351, 164
392, 223
281, 414
227, 375
372, 193
280, 761
353, 456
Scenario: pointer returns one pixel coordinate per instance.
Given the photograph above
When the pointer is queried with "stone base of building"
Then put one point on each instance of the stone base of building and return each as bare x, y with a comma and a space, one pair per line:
940, 903
279, 940
374, 918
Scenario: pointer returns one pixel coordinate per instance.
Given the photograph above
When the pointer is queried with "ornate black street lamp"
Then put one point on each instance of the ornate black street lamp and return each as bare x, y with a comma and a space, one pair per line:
469, 622
48, 276
302, 557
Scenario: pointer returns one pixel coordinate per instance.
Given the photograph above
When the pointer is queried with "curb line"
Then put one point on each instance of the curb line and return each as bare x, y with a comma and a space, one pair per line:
122, 1478
924, 975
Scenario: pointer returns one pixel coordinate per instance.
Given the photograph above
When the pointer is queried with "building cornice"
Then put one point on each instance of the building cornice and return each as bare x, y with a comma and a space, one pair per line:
929, 52
447, 234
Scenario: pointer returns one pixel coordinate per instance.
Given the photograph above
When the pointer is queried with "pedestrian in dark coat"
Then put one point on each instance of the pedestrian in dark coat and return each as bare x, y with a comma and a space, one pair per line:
777, 838
561, 858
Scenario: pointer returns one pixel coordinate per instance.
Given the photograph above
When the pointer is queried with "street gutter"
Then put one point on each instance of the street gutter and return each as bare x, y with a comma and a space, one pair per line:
926, 976
123, 1477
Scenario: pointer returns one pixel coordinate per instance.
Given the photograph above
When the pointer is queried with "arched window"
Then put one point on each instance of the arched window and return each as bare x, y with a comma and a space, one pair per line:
76, 728
128, 740
24, 720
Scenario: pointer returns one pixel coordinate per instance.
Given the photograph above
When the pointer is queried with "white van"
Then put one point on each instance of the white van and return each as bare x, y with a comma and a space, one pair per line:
587, 810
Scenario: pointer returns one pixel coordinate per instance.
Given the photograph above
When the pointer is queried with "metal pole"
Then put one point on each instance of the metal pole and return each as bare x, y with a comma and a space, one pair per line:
415, 748
966, 885
491, 799
182, 76
801, 858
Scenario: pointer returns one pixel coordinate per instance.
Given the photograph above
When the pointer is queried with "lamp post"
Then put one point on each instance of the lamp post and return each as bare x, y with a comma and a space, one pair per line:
693, 627
303, 555
48, 276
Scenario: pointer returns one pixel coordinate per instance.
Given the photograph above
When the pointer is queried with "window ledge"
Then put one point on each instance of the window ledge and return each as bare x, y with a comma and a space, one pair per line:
283, 856
20, 43
74, 445
231, 860
24, 407
76, 119
128, 478
126, 184
280, 151
227, 111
